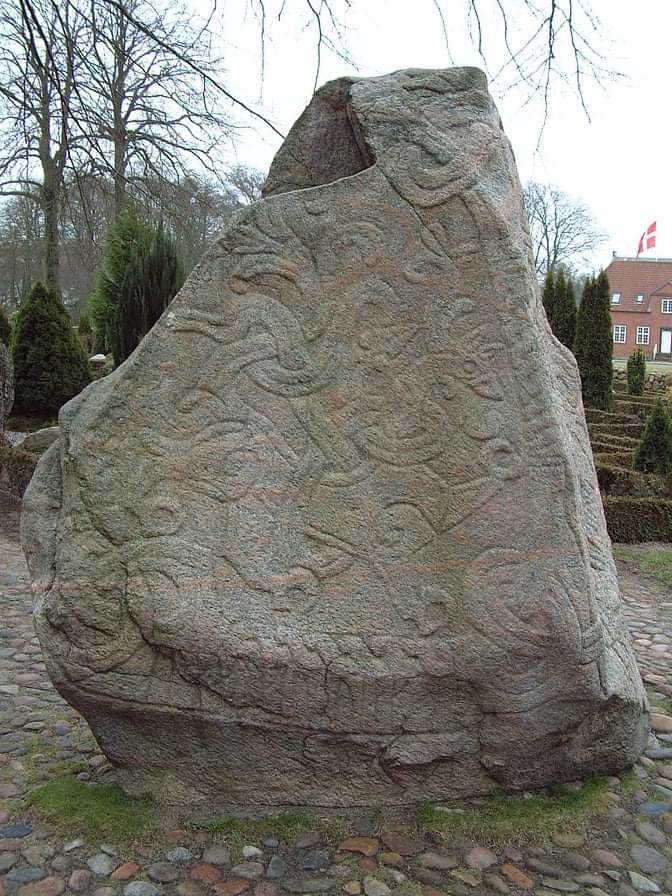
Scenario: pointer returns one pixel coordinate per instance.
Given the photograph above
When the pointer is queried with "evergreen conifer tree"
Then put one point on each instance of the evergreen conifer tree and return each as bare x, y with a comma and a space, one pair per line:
5, 327
636, 371
141, 274
548, 297
581, 345
565, 318
654, 454
50, 366
153, 277
593, 344
125, 233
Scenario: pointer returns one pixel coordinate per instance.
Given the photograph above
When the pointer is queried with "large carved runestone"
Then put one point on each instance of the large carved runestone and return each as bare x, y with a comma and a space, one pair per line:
332, 536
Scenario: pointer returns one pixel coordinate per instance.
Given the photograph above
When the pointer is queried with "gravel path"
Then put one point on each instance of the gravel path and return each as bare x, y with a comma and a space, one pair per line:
626, 851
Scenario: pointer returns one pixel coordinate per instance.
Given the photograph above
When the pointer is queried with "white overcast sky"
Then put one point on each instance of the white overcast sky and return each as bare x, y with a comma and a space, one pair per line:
618, 163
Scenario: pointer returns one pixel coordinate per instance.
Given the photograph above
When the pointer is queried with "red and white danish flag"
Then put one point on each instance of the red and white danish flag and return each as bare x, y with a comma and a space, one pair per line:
647, 239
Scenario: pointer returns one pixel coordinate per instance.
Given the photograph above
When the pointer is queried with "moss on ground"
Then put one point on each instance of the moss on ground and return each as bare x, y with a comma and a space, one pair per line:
503, 819
102, 810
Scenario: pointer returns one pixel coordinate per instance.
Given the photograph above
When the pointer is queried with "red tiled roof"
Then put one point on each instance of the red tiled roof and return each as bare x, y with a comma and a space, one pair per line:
631, 276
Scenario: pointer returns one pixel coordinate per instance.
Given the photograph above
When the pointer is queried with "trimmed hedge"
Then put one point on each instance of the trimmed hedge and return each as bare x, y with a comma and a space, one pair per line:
616, 481
636, 520
16, 470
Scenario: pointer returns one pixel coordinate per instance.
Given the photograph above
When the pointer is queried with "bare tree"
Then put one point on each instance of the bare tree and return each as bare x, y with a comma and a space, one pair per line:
20, 248
533, 45
39, 66
150, 112
563, 230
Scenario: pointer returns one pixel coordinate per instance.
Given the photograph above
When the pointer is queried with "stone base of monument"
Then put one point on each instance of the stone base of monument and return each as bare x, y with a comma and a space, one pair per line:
332, 536
211, 767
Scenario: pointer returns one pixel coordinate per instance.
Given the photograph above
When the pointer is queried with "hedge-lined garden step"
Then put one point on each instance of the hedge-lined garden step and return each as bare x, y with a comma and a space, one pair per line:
625, 443
630, 430
593, 415
622, 389
613, 459
620, 481
641, 408
636, 520
608, 447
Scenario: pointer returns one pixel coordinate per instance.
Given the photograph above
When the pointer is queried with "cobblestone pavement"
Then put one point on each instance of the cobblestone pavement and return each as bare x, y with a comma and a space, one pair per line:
624, 851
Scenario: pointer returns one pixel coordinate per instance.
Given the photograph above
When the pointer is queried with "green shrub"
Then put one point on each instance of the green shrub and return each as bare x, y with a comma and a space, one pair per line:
50, 366
593, 344
5, 327
636, 520
16, 469
636, 369
654, 454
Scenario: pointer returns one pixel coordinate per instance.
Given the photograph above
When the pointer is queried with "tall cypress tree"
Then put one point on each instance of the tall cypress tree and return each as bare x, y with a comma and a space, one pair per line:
50, 366
593, 344
565, 320
548, 297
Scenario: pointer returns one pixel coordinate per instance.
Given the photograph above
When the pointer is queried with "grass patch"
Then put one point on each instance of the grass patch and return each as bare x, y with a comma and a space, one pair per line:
287, 826
503, 819
656, 562
659, 565
103, 810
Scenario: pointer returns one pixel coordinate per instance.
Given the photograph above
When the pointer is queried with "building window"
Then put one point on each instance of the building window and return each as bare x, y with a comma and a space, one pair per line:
666, 306
639, 298
619, 332
615, 298
643, 335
